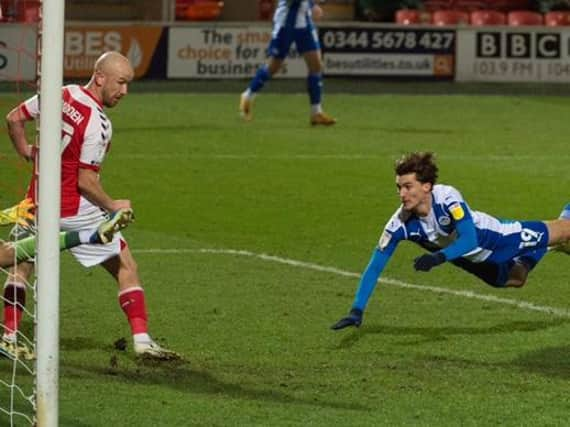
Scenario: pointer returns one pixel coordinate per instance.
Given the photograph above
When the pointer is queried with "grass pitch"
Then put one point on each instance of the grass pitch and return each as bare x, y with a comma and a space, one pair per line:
250, 238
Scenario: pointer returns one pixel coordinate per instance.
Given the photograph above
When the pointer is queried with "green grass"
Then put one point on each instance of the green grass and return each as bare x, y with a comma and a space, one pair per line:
254, 330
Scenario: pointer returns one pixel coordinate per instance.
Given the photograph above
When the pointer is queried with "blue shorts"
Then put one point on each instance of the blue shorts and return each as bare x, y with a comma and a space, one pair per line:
497, 274
534, 235
305, 39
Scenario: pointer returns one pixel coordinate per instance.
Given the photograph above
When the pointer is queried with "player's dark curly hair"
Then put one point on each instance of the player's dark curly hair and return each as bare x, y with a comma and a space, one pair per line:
422, 164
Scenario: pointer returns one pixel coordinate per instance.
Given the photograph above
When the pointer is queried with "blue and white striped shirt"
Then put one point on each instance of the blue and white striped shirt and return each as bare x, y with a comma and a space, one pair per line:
292, 13
439, 229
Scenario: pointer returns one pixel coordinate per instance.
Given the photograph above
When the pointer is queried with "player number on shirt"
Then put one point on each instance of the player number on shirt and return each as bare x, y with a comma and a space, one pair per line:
529, 238
66, 135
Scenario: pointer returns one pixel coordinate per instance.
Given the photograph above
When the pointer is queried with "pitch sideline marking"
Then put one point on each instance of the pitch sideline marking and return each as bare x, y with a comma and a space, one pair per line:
335, 156
317, 267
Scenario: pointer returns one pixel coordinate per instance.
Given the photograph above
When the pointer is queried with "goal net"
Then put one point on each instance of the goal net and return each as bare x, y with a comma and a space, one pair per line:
19, 77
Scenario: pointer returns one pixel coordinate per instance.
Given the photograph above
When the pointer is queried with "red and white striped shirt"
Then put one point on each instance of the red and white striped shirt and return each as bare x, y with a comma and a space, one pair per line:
86, 138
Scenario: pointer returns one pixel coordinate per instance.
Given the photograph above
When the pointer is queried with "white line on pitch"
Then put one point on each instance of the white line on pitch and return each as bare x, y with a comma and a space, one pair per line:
334, 156
310, 266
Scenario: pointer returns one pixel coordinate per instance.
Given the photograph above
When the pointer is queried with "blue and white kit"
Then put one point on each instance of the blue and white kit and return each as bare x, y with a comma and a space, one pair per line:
472, 240
293, 23
452, 227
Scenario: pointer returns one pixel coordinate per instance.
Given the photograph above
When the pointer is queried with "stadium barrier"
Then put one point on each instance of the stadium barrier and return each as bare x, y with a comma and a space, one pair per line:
224, 51
388, 51
84, 44
17, 52
348, 49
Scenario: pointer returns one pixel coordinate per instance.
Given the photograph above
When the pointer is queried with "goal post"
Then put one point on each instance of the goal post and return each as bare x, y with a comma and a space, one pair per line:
48, 270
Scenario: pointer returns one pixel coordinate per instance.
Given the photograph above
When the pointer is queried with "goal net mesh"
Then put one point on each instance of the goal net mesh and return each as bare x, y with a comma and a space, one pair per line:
20, 24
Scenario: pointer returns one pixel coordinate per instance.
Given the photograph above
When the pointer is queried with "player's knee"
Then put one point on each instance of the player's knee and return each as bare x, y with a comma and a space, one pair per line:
20, 273
127, 266
316, 67
6, 255
130, 266
517, 275
515, 283
274, 66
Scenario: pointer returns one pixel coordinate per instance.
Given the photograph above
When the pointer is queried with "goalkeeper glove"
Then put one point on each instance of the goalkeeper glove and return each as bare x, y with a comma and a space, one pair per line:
428, 261
354, 318
20, 214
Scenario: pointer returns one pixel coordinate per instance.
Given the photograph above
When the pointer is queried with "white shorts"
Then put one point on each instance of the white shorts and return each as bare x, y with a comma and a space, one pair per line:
90, 254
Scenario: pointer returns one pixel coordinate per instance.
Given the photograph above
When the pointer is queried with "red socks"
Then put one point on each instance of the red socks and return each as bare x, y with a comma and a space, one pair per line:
133, 305
14, 303
131, 300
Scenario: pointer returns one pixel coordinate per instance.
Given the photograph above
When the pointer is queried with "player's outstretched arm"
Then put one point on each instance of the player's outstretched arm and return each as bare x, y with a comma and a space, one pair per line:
354, 318
367, 285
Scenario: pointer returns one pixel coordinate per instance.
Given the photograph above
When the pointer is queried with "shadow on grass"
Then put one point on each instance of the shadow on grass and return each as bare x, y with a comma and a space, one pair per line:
432, 334
179, 376
551, 362
79, 344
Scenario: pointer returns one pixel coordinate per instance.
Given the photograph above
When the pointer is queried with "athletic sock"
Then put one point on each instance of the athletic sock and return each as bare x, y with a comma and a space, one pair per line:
132, 303
316, 109
142, 338
86, 236
315, 87
261, 76
14, 303
26, 248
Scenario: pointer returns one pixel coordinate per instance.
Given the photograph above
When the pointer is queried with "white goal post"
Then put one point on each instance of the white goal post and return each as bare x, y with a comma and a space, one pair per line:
50, 54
